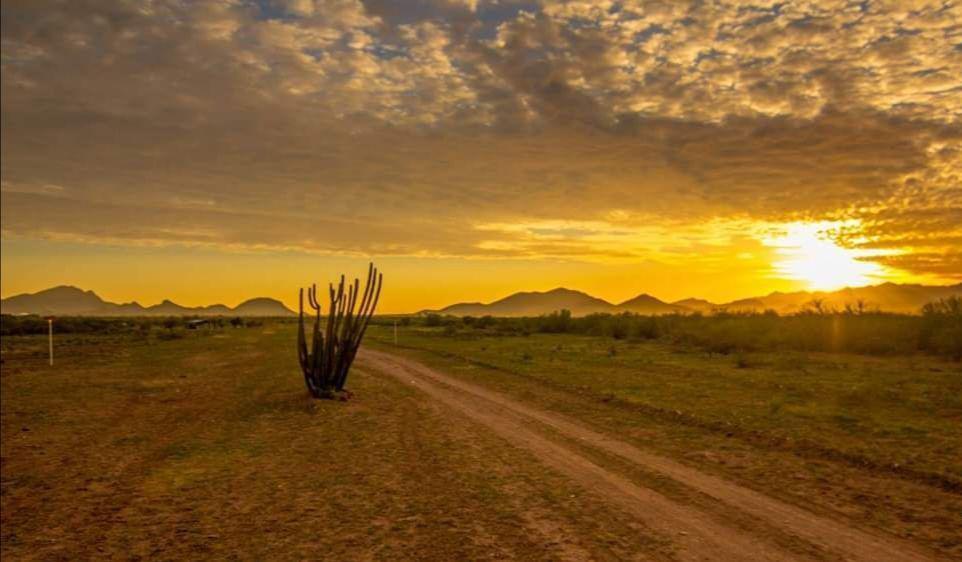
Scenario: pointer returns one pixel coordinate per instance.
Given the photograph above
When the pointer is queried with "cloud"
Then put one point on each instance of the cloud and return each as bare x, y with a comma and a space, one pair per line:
344, 126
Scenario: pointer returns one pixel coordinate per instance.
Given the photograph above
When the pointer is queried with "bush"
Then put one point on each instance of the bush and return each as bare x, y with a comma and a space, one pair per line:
558, 322
620, 326
857, 329
646, 328
941, 330
170, 335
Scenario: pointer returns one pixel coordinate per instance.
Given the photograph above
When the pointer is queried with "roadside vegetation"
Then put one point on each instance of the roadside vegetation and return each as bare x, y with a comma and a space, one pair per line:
895, 413
164, 328
874, 435
937, 330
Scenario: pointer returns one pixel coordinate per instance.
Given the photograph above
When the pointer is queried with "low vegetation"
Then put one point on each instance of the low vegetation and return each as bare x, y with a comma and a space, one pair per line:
873, 435
937, 330
853, 414
27, 325
209, 447
896, 413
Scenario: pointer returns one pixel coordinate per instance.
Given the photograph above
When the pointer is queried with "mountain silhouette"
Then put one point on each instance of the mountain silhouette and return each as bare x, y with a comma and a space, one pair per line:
261, 306
887, 297
534, 304
697, 305
650, 306
71, 301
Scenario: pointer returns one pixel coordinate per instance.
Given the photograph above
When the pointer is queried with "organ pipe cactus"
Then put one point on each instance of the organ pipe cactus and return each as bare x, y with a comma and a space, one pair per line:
328, 359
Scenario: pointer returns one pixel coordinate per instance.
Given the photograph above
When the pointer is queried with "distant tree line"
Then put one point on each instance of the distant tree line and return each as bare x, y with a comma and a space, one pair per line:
25, 325
854, 329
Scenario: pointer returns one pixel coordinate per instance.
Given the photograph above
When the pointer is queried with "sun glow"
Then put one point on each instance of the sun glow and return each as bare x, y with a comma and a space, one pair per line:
807, 253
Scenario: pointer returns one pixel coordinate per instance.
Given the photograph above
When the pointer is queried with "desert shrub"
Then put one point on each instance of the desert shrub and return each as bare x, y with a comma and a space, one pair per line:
941, 330
171, 334
620, 326
856, 329
646, 328
508, 326
432, 320
558, 322
35, 325
22, 325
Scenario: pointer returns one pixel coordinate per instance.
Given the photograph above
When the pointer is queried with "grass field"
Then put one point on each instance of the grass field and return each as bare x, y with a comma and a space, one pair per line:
136, 447
209, 446
877, 438
900, 412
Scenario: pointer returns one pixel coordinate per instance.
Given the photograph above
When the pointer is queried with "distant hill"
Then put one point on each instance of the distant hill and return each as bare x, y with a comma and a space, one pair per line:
262, 306
696, 305
62, 300
889, 297
534, 304
752, 304
71, 301
650, 306
170, 308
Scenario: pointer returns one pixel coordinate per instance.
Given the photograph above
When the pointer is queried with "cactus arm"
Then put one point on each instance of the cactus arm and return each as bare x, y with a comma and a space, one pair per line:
334, 346
364, 319
301, 339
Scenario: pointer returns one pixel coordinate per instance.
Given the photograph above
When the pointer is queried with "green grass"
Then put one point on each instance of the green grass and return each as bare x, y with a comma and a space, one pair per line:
901, 411
875, 439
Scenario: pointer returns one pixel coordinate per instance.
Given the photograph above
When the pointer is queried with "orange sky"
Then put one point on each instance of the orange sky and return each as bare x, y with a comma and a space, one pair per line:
215, 151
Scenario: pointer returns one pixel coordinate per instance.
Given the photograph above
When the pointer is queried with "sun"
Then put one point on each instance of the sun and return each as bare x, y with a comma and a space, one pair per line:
806, 253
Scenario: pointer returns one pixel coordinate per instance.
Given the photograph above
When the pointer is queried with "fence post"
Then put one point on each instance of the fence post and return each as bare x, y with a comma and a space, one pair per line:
50, 338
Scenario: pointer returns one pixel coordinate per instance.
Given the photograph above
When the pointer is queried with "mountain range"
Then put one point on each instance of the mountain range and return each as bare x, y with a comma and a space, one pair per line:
71, 301
888, 297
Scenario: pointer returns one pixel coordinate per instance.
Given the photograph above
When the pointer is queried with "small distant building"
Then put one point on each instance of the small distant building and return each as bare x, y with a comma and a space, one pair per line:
198, 323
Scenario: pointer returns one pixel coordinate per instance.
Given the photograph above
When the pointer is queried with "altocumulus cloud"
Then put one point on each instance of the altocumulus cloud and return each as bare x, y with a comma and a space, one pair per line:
361, 127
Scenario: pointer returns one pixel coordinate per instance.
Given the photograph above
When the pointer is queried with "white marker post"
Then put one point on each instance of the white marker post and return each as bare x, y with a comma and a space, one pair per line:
50, 338
395, 332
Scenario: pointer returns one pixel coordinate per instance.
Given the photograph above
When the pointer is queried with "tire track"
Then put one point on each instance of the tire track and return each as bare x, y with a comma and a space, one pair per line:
697, 534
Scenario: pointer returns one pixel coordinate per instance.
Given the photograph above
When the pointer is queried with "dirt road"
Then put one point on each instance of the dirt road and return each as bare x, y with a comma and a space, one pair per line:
746, 525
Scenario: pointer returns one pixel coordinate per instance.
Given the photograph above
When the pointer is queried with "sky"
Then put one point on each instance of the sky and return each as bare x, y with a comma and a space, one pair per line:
215, 151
